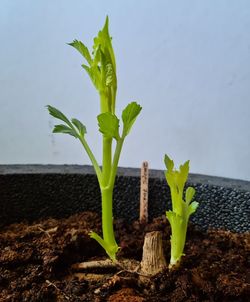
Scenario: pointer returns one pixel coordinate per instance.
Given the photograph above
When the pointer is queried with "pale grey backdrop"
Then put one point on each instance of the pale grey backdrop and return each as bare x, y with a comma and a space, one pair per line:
186, 62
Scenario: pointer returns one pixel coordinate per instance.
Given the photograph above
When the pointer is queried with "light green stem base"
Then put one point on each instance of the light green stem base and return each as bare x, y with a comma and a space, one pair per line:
178, 239
108, 241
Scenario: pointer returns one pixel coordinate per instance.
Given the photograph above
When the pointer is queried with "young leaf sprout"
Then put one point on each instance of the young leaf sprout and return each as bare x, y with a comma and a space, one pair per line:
182, 208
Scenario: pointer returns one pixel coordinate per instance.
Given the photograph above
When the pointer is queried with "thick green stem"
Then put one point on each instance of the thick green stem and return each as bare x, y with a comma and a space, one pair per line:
105, 102
106, 160
109, 242
107, 142
178, 239
107, 221
109, 169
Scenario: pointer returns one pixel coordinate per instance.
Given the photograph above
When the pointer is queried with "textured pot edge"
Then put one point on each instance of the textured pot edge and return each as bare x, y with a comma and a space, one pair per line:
122, 171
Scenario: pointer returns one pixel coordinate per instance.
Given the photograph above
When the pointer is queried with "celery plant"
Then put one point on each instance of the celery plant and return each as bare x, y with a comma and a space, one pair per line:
181, 209
100, 65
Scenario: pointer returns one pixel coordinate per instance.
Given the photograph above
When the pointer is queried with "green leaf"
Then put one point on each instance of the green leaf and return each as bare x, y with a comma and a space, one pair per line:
94, 74
178, 178
169, 163
88, 70
184, 170
108, 125
189, 194
104, 58
129, 116
80, 127
181, 210
78, 45
58, 114
101, 66
64, 129
192, 207
104, 41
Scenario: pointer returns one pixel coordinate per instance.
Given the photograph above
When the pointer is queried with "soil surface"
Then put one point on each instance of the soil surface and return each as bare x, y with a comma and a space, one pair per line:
36, 264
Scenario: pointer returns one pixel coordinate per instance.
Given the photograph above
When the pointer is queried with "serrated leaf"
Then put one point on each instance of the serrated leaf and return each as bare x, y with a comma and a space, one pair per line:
192, 207
80, 127
105, 59
94, 74
87, 68
169, 163
58, 114
129, 116
104, 42
184, 170
180, 177
78, 45
64, 129
189, 194
108, 125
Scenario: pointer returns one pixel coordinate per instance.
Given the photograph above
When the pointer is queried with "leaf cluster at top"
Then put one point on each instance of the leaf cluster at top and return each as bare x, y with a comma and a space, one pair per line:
101, 66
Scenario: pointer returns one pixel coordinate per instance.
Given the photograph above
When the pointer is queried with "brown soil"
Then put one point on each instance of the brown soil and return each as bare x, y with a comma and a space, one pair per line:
35, 264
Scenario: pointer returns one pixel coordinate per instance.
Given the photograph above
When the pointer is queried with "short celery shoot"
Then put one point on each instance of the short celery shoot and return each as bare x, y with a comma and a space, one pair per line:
182, 208
100, 65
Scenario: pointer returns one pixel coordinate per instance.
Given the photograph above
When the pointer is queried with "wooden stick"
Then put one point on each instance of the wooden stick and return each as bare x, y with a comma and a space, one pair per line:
144, 193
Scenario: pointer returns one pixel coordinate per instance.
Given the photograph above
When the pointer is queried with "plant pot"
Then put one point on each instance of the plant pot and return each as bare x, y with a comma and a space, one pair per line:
37, 256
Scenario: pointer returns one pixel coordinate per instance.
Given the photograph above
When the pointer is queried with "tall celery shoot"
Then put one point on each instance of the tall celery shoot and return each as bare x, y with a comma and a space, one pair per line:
100, 65
181, 208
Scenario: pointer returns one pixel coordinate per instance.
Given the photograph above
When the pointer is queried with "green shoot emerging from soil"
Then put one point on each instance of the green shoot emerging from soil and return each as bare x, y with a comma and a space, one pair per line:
181, 209
100, 65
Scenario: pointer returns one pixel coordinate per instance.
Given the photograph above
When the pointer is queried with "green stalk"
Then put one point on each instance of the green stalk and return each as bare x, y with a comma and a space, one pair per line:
93, 159
107, 200
101, 68
108, 242
107, 218
117, 154
181, 208
106, 159
106, 143
178, 237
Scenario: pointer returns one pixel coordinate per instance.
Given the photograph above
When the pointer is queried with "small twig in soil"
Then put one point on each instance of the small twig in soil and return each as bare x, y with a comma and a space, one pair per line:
39, 228
107, 263
110, 284
58, 289
124, 264
44, 231
134, 272
90, 277
113, 281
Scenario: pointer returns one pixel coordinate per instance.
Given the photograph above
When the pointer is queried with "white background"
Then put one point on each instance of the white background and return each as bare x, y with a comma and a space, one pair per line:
186, 62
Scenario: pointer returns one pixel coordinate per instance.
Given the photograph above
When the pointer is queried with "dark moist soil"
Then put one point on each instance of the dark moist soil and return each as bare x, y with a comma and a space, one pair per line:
36, 260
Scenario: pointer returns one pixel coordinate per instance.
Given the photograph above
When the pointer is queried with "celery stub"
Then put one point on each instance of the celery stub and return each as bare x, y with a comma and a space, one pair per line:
182, 208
